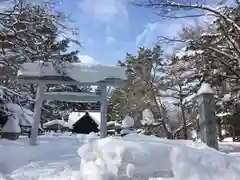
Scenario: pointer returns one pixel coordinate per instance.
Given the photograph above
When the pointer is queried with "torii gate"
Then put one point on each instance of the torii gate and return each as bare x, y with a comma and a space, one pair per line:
42, 73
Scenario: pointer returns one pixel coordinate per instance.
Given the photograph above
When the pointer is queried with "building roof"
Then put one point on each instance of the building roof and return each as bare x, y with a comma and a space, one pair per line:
75, 116
56, 121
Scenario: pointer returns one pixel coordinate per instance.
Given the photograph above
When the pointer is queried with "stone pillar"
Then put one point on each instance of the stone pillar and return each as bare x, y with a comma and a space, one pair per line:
104, 104
207, 118
37, 114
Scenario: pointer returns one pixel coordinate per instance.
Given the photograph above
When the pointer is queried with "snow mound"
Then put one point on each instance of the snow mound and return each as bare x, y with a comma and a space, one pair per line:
148, 117
12, 125
139, 157
127, 122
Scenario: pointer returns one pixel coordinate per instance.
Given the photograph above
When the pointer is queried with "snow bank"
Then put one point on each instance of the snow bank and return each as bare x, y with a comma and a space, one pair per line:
139, 157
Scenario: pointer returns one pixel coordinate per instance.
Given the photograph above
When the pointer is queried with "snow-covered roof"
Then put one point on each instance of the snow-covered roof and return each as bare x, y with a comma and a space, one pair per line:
205, 89
75, 116
56, 121
76, 71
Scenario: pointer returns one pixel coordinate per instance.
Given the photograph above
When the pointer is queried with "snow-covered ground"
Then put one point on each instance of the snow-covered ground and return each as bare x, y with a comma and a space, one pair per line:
139, 157
54, 158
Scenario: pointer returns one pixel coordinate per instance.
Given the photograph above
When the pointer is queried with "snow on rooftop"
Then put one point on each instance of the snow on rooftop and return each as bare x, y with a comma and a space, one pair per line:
143, 157
75, 116
56, 121
205, 89
77, 71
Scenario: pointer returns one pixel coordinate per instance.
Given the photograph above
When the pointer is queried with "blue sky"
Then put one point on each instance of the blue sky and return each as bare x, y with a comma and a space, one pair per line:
108, 29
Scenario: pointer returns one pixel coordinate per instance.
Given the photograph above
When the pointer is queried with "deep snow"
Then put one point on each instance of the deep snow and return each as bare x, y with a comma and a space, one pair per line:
56, 157
139, 157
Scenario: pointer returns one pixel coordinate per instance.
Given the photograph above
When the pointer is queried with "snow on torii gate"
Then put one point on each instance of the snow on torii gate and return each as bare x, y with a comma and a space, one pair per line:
72, 74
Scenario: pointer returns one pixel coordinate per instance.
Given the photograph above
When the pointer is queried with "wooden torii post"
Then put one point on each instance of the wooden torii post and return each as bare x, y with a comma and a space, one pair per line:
72, 74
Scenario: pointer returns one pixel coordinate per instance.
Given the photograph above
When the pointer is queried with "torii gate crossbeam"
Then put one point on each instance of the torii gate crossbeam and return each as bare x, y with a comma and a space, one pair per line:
37, 73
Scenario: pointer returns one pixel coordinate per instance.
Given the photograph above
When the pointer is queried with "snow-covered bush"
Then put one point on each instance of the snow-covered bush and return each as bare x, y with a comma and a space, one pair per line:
12, 114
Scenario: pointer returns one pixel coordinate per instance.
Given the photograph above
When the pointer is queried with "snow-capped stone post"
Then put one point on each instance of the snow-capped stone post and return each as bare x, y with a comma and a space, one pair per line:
37, 114
103, 123
207, 118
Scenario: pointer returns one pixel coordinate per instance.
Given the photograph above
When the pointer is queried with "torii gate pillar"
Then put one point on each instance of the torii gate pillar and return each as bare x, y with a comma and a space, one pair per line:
37, 114
103, 124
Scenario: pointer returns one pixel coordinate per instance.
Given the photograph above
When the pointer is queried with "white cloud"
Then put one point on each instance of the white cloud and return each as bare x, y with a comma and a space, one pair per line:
105, 11
152, 31
87, 59
149, 35
5, 4
109, 40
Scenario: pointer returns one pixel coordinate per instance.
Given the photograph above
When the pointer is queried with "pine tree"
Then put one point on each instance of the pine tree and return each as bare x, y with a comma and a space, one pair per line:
29, 33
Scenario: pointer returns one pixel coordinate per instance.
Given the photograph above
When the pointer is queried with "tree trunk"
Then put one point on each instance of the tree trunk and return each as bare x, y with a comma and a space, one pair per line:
169, 135
184, 123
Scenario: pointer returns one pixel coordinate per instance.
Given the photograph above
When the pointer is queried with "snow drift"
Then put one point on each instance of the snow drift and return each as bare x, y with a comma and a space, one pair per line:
143, 157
